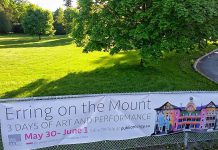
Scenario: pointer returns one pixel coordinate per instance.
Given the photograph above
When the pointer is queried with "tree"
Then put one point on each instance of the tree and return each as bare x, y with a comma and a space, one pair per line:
70, 15
59, 21
37, 21
4, 4
18, 9
151, 27
5, 25
14, 10
68, 3
83, 22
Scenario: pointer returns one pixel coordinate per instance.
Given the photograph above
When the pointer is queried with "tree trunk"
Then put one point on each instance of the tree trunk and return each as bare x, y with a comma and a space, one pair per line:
142, 62
40, 37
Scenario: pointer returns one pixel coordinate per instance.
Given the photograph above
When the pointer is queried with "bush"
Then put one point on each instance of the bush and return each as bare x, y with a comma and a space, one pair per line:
60, 30
59, 22
17, 28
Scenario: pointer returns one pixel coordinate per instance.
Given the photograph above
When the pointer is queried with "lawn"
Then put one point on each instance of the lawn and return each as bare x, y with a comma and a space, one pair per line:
55, 66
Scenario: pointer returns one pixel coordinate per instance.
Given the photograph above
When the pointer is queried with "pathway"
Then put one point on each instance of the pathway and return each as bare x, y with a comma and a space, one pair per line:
208, 65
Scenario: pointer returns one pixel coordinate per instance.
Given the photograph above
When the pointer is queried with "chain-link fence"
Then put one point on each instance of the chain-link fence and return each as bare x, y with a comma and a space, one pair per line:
182, 140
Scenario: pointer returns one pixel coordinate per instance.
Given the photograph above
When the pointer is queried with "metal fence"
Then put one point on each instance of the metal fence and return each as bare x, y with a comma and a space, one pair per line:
183, 140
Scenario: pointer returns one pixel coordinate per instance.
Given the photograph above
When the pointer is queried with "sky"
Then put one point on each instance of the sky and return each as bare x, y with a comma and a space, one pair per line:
52, 5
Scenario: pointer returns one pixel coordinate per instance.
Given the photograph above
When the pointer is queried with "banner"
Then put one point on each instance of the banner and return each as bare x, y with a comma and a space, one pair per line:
43, 122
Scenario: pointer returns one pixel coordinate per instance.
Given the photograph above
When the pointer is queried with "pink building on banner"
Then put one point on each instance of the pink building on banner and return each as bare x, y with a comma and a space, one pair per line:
171, 118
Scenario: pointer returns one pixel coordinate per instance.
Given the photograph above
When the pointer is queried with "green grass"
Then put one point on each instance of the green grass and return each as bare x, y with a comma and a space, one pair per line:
55, 66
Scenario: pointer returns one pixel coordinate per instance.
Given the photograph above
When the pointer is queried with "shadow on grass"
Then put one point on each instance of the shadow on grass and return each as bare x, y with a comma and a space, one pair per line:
103, 80
116, 79
28, 88
130, 57
34, 42
8, 42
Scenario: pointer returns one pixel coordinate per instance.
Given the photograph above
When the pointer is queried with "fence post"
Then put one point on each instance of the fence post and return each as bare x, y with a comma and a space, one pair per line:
186, 140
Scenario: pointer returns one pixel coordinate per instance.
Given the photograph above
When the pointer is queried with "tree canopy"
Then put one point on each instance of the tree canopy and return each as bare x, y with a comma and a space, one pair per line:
37, 21
151, 27
70, 21
59, 22
5, 25
13, 11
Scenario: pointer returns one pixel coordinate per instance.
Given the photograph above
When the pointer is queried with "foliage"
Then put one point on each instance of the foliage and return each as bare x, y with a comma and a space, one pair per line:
4, 4
59, 22
5, 25
13, 11
17, 28
70, 15
37, 21
55, 66
83, 22
151, 27
18, 8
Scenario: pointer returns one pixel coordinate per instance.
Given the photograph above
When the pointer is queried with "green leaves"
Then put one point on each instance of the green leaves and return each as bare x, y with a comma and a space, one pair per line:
5, 25
4, 3
70, 15
59, 22
152, 27
37, 21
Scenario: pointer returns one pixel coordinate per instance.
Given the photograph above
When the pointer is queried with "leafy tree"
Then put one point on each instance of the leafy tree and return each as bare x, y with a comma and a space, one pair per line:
37, 21
151, 27
4, 4
13, 11
59, 22
5, 25
70, 15
83, 21
19, 7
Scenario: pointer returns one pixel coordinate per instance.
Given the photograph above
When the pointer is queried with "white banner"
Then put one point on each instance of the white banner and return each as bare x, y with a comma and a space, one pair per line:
37, 123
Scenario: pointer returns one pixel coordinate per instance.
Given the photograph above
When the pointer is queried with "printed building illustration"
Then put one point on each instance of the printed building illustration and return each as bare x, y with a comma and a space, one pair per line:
171, 118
